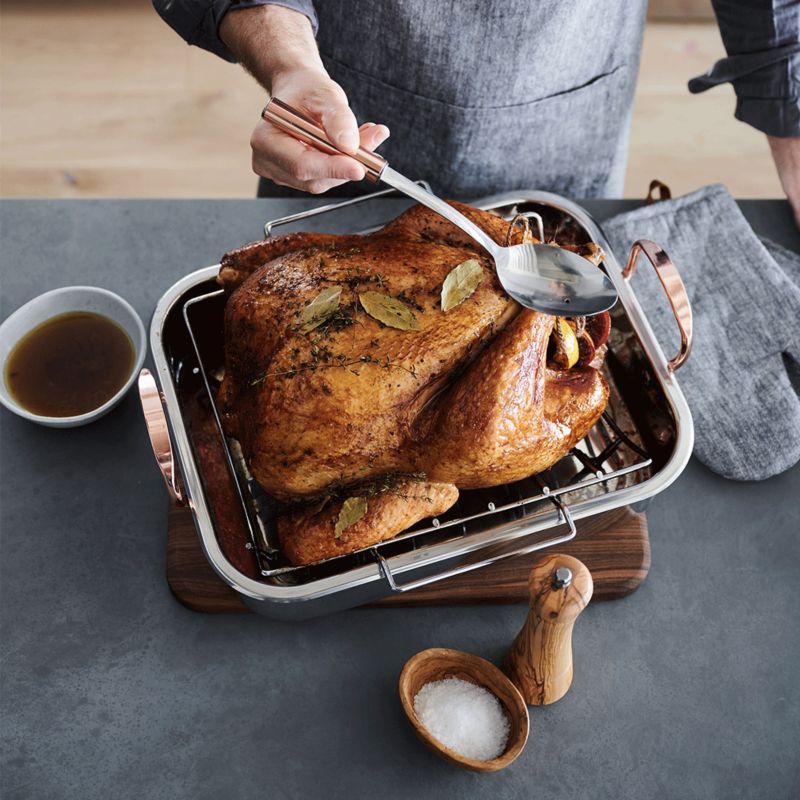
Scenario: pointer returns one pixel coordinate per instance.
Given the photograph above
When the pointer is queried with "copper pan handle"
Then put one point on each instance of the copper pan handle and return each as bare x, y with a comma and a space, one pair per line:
296, 124
156, 421
670, 279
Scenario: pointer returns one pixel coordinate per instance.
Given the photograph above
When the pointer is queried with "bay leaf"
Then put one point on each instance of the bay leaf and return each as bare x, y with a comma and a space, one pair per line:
351, 512
320, 308
389, 310
460, 283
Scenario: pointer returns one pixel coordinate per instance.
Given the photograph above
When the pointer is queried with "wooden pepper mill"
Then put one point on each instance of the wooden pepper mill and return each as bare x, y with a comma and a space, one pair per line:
539, 662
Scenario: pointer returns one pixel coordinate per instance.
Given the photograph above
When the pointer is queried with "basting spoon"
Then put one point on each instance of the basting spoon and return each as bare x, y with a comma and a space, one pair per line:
543, 277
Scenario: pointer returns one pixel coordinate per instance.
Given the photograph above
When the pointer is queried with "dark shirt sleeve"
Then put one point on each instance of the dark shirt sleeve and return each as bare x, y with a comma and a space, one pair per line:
197, 21
762, 38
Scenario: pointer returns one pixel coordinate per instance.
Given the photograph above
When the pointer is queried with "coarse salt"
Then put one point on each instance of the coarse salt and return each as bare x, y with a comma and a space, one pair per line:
464, 717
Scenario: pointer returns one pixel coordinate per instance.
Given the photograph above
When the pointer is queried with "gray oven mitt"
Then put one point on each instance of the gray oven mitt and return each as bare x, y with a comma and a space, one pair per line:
745, 297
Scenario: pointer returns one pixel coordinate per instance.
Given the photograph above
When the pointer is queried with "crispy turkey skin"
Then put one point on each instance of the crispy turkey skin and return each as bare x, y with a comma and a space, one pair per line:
466, 400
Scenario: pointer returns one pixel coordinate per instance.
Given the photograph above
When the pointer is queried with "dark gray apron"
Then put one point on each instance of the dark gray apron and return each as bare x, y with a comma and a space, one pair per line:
485, 96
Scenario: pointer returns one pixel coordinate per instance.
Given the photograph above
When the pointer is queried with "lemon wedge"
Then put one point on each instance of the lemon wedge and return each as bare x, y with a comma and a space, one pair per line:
568, 350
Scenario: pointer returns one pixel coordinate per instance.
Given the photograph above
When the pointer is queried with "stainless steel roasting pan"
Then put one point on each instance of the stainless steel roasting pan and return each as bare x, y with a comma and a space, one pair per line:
636, 450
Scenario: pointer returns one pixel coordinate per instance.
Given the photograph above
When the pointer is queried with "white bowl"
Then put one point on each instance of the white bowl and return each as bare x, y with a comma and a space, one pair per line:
63, 301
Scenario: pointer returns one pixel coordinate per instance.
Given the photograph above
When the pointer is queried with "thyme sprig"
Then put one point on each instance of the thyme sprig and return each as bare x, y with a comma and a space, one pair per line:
372, 487
339, 361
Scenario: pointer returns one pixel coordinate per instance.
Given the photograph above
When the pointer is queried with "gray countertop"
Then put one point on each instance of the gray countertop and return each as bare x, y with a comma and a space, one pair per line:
111, 689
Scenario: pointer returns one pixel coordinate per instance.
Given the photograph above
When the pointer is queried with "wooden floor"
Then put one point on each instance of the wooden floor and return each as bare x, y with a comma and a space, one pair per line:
103, 99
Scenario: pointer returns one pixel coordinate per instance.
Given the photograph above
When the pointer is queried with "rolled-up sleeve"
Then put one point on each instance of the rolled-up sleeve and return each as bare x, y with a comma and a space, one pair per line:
197, 21
762, 38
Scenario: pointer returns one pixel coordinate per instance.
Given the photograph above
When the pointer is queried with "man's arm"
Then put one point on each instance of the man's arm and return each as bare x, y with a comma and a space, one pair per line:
197, 21
275, 43
786, 154
762, 38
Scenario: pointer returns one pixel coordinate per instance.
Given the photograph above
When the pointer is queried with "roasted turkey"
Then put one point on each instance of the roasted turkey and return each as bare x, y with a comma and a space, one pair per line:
364, 422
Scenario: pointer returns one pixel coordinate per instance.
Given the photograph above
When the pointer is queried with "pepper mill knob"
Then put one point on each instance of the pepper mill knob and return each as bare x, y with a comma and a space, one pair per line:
539, 662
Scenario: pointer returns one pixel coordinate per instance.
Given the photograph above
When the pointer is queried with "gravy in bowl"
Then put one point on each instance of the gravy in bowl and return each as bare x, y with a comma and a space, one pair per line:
70, 364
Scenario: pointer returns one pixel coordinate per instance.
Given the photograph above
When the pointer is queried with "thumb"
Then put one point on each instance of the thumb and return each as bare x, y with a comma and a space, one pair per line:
340, 125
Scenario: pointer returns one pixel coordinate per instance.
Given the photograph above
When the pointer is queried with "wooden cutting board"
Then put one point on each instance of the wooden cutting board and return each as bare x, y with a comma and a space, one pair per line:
615, 546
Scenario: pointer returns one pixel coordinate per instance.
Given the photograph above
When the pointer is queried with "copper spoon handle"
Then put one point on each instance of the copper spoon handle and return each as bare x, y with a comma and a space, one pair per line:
300, 126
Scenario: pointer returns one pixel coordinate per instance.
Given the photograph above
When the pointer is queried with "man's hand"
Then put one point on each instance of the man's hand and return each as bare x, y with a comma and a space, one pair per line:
786, 154
288, 162
277, 46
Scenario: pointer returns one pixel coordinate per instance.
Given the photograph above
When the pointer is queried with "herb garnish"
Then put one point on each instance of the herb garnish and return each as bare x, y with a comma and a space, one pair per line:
320, 308
353, 509
460, 283
389, 310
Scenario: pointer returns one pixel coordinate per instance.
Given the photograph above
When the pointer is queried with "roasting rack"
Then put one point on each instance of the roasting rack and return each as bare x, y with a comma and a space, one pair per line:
600, 463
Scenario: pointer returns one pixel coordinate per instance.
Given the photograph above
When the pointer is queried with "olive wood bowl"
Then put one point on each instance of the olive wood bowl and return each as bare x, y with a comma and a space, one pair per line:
439, 663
